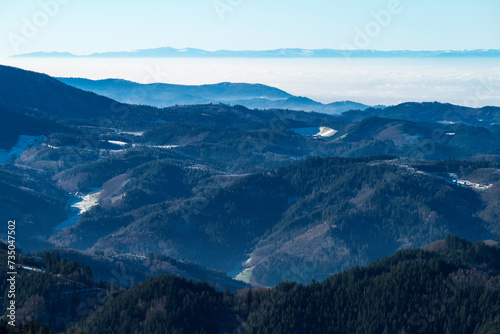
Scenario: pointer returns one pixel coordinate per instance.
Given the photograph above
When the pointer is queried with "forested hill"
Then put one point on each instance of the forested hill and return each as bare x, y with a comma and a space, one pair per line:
303, 221
36, 93
432, 112
452, 288
51, 293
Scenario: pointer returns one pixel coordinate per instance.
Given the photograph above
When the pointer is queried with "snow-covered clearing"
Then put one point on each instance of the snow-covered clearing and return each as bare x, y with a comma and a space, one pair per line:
23, 143
321, 131
326, 132
119, 143
85, 203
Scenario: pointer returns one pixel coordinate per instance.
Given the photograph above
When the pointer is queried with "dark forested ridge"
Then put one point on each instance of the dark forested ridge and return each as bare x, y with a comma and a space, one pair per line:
50, 290
432, 112
451, 286
41, 94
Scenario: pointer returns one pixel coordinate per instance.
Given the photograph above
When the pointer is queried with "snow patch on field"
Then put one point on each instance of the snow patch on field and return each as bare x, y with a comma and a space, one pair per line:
167, 147
132, 133
326, 132
245, 275
156, 146
119, 143
83, 204
321, 131
23, 143
87, 202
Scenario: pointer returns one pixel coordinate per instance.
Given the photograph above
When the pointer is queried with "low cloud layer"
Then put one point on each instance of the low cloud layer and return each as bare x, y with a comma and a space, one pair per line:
470, 81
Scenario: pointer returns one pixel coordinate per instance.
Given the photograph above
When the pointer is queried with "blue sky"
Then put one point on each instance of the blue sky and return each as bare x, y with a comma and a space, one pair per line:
87, 26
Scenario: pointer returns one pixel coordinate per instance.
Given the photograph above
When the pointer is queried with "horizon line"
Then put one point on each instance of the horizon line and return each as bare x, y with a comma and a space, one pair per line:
213, 52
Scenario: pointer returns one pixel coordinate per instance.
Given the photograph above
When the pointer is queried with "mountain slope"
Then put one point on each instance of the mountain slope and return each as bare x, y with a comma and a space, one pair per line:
451, 289
358, 209
170, 94
59, 287
34, 93
127, 270
434, 112
14, 124
253, 96
450, 286
30, 198
414, 291
49, 291
176, 181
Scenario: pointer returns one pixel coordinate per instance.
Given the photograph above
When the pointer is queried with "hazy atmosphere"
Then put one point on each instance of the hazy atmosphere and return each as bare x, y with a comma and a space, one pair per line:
84, 28
471, 82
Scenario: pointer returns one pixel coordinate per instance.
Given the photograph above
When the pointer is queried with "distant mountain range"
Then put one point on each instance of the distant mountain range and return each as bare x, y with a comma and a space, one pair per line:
278, 53
253, 96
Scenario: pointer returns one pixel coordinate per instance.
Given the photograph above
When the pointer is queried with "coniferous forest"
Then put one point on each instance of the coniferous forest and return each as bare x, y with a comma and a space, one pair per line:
218, 218
450, 286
